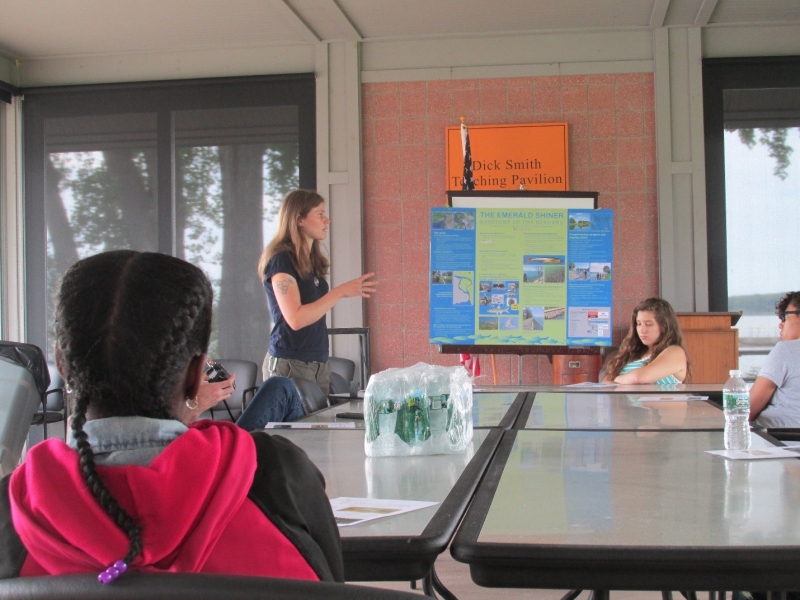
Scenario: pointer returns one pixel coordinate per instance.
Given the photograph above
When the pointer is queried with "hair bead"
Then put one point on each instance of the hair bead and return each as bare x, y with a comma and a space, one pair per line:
112, 572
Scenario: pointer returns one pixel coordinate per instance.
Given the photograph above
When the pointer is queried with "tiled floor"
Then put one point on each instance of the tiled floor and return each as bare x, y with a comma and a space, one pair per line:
455, 576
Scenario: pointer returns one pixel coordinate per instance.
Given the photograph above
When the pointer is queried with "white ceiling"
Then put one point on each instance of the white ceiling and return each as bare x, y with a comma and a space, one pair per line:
37, 29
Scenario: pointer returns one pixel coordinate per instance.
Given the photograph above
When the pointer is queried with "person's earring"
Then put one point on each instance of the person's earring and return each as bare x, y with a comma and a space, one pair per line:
191, 403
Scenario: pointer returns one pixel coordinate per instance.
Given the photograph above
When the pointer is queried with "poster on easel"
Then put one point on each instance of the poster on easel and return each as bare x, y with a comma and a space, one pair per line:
521, 276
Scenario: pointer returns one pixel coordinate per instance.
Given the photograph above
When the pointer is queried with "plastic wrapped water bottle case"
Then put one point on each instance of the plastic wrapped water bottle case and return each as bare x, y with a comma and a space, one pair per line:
424, 409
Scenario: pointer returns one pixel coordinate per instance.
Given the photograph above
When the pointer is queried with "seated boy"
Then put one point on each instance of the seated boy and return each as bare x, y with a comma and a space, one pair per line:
775, 395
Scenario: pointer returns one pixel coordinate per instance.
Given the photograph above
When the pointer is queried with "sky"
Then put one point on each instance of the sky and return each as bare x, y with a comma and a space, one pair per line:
763, 213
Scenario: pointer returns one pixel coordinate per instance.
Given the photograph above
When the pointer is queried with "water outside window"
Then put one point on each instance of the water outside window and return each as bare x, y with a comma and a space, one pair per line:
762, 187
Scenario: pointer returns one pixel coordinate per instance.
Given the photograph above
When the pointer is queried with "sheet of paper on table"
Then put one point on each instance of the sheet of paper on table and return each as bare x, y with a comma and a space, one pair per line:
311, 425
351, 511
591, 385
758, 454
672, 398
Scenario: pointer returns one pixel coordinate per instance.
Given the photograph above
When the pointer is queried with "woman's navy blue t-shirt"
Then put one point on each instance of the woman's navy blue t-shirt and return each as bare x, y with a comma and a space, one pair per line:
309, 343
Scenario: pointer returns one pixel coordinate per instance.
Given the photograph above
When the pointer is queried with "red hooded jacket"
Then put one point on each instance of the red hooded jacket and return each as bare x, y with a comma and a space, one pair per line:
195, 505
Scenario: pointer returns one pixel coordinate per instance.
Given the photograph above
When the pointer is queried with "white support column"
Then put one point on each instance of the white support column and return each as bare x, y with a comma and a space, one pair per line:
338, 73
12, 224
681, 167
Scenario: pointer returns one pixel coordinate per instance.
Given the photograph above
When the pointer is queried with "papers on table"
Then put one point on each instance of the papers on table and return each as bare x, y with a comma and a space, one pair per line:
591, 385
311, 425
348, 396
351, 511
672, 398
758, 454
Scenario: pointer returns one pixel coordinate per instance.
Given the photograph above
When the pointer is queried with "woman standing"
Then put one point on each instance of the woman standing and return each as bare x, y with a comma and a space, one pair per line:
653, 351
293, 269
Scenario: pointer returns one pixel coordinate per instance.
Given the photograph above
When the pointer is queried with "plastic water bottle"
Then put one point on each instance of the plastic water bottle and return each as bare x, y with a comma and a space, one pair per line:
736, 406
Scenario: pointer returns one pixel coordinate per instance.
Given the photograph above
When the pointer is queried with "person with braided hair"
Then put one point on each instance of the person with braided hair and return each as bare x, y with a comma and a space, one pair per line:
141, 485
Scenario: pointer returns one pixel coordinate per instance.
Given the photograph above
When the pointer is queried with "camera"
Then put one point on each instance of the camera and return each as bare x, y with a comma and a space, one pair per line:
216, 372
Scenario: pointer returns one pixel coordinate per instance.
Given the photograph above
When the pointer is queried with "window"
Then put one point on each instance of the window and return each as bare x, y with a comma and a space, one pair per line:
753, 182
194, 169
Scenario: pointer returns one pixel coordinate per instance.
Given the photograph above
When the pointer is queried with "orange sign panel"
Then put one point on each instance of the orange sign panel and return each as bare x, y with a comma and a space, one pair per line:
505, 157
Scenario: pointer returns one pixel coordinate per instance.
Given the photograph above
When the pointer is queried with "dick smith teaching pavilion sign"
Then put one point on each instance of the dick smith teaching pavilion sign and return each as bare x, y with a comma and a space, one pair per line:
505, 157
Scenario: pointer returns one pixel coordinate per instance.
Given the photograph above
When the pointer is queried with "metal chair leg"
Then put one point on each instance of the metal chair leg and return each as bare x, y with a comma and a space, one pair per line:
440, 587
666, 595
572, 594
44, 416
427, 586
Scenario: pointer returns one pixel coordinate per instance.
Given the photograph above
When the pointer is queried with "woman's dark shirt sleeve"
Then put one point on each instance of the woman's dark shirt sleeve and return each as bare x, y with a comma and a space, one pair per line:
308, 343
12, 552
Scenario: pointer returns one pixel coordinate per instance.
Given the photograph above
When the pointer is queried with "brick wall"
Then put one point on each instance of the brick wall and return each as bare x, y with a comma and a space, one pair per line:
612, 150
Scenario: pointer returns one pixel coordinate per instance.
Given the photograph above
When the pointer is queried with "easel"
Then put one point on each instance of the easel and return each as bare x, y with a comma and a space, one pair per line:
520, 351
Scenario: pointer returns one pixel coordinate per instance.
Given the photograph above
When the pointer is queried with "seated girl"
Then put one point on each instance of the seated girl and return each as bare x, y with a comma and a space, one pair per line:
140, 486
653, 351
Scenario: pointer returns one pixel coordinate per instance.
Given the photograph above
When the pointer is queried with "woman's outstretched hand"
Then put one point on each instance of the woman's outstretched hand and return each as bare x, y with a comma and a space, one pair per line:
362, 286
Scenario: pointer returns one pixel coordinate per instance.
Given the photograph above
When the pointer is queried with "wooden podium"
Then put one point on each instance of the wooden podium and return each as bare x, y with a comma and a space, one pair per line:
712, 344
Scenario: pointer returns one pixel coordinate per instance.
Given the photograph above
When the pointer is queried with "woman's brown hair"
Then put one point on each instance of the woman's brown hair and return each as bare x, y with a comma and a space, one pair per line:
632, 347
296, 206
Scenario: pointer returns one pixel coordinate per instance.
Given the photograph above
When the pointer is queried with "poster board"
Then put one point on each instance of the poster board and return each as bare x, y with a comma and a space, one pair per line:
506, 156
521, 275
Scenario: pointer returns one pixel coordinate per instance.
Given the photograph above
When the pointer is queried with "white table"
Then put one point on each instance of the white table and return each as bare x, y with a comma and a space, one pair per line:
557, 410
646, 510
489, 409
404, 547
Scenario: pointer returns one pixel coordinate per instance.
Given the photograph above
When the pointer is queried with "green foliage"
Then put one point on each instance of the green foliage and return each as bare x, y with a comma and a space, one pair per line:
774, 138
110, 202
281, 174
201, 191
97, 223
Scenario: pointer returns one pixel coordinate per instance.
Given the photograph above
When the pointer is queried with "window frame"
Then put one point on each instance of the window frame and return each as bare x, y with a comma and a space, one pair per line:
720, 74
162, 98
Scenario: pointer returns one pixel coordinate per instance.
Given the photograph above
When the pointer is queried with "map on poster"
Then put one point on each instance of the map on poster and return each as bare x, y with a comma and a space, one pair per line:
504, 276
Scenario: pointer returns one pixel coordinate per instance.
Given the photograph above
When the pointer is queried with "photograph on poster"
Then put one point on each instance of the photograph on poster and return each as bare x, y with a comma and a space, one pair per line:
441, 277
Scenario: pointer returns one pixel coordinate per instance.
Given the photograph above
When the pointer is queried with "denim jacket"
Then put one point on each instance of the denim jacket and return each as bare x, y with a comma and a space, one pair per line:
120, 441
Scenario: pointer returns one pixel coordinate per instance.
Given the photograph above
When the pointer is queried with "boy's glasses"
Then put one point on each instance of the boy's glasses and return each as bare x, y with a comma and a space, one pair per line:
782, 314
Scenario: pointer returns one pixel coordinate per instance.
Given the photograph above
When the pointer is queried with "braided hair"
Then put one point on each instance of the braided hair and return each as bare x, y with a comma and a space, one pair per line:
127, 326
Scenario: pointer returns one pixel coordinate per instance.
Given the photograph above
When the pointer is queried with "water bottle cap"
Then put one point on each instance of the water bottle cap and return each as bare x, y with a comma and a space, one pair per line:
735, 372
